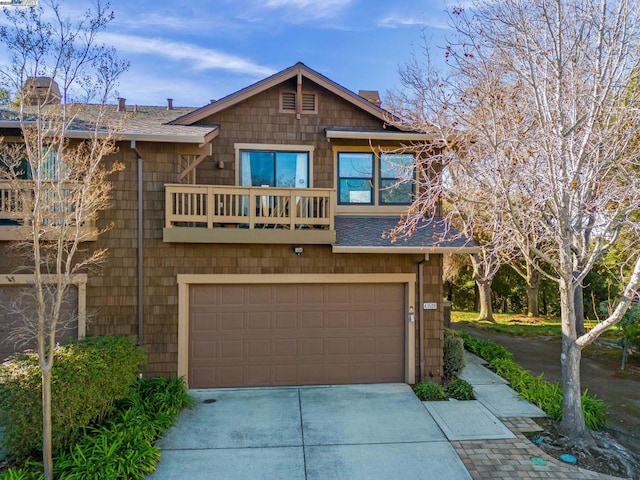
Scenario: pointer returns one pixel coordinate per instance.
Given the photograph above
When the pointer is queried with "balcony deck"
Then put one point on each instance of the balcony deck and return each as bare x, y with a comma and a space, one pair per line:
230, 214
15, 205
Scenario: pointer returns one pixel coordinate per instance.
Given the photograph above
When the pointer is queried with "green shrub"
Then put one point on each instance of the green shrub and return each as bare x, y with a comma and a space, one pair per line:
453, 354
124, 446
114, 451
429, 391
460, 389
22, 474
485, 349
87, 377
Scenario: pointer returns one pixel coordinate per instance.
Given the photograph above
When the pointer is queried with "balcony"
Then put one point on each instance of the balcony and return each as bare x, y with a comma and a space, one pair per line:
228, 214
16, 204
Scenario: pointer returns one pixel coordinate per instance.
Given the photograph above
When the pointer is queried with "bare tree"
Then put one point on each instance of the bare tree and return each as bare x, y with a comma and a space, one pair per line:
57, 185
539, 92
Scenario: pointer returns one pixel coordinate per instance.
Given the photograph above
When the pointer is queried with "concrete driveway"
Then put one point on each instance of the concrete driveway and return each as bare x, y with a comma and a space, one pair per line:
338, 432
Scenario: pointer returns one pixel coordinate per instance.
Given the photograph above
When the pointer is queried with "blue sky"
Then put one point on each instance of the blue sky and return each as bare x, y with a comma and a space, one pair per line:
197, 50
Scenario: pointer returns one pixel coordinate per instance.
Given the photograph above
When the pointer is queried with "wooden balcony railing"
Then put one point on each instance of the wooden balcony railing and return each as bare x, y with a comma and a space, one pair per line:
13, 202
16, 204
209, 206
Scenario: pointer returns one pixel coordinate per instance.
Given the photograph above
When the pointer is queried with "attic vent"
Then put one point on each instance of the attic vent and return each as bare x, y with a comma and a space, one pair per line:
309, 102
288, 102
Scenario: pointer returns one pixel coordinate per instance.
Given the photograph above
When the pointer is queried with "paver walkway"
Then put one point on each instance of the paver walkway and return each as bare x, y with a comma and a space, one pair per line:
511, 459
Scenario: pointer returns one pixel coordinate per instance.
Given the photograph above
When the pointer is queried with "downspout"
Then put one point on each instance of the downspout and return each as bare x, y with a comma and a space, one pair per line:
421, 313
140, 238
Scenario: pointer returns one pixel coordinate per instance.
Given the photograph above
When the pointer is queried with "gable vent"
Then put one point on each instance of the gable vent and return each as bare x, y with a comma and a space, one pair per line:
288, 101
308, 102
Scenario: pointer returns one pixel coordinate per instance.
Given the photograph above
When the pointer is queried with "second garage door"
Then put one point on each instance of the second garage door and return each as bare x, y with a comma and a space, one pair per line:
309, 334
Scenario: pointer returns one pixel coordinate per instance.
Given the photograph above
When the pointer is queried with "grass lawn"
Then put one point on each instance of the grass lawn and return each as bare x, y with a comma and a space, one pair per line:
521, 325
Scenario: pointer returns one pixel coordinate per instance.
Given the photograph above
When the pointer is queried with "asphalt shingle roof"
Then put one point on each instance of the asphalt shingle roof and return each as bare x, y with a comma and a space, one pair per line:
136, 121
369, 232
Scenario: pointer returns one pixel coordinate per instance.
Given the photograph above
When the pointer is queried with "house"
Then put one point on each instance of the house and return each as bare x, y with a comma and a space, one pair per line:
248, 244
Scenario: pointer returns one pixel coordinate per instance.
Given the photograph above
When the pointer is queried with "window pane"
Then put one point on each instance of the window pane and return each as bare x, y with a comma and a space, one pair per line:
257, 168
292, 170
392, 193
355, 191
396, 165
355, 165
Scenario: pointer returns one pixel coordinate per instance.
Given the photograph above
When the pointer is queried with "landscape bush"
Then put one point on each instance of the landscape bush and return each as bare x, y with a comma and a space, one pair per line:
123, 445
429, 391
453, 354
546, 395
460, 389
88, 376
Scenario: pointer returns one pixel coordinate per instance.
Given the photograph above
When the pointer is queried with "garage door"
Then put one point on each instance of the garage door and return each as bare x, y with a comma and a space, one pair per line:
258, 335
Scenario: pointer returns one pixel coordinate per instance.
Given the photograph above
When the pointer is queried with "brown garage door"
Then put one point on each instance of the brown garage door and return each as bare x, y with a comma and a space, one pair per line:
256, 335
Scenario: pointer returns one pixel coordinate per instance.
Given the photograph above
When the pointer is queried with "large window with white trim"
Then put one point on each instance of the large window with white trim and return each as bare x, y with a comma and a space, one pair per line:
274, 168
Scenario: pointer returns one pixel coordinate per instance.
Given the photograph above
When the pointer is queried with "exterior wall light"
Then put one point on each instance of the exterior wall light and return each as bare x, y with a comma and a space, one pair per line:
298, 250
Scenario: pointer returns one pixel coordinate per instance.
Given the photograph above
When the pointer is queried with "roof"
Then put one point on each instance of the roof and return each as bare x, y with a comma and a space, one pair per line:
276, 79
361, 234
142, 123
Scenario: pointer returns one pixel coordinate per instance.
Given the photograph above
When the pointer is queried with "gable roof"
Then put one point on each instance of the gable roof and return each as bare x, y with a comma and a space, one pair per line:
276, 79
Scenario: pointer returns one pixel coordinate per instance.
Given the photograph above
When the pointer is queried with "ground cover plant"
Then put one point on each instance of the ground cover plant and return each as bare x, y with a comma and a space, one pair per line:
546, 395
122, 446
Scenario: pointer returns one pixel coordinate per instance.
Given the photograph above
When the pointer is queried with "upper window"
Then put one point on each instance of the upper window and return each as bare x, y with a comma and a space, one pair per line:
355, 178
288, 102
274, 168
396, 175
364, 178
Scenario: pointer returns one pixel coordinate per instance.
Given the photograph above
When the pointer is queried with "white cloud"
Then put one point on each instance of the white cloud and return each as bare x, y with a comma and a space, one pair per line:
310, 9
199, 57
394, 21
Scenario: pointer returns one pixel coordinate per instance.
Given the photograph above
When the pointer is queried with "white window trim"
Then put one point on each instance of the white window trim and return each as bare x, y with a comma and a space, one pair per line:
309, 149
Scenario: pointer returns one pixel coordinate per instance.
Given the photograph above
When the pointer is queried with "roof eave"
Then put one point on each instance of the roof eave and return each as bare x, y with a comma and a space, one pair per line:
403, 250
377, 135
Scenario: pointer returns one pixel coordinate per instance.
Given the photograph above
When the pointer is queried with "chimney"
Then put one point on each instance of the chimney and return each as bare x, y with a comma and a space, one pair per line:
169, 103
41, 91
122, 106
371, 96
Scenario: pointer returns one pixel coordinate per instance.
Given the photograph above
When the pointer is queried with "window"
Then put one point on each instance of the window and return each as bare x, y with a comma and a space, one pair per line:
274, 168
396, 173
288, 102
355, 178
369, 179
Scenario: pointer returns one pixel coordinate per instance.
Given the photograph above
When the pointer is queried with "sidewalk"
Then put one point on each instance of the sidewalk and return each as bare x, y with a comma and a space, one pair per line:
493, 454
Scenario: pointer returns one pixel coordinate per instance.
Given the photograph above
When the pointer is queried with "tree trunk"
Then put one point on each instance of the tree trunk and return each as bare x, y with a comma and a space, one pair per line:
533, 288
573, 422
47, 455
579, 311
484, 294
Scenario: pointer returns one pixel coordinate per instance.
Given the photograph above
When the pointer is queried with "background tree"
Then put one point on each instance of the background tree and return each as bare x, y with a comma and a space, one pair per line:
55, 68
540, 91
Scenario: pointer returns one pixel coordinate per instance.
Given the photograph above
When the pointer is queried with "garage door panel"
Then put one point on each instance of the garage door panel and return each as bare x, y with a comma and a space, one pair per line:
325, 334
286, 320
338, 319
362, 319
286, 347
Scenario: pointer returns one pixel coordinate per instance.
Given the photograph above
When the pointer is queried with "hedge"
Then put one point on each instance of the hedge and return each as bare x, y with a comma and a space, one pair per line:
88, 376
